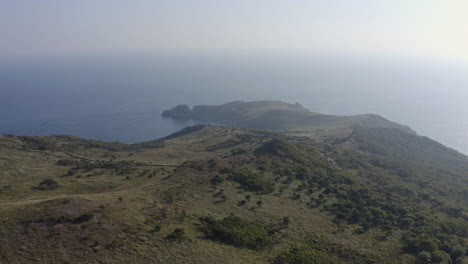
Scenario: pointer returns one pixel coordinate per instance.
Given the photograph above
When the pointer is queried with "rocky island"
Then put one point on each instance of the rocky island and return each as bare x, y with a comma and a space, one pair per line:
276, 115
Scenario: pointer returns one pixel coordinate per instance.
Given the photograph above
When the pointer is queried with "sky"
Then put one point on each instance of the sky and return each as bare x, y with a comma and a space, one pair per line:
420, 28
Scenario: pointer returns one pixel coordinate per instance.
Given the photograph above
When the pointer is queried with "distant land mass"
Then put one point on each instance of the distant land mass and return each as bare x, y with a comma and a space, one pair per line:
277, 184
276, 115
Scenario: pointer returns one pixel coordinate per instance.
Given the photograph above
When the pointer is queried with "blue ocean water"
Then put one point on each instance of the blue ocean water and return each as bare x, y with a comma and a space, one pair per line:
121, 98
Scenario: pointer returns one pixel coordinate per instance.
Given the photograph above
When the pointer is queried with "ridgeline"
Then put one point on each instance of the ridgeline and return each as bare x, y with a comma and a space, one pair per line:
310, 188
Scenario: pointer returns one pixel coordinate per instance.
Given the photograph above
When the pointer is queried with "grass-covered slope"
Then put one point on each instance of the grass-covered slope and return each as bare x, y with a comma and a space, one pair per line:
225, 195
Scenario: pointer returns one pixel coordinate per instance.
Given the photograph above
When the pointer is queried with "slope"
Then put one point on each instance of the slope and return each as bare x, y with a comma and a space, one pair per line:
211, 194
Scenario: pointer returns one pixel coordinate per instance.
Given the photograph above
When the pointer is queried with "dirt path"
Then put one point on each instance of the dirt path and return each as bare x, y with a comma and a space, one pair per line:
90, 196
33, 201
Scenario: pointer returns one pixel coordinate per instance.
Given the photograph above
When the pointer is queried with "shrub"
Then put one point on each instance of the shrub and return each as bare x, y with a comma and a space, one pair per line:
253, 181
156, 229
304, 256
281, 148
420, 243
238, 232
457, 254
83, 218
440, 257
424, 257
47, 185
37, 143
406, 223
177, 235
216, 180
259, 204
66, 162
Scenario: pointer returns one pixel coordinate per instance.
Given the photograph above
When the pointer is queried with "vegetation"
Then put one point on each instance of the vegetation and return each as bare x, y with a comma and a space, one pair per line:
119, 167
238, 232
185, 131
304, 256
253, 181
47, 185
83, 218
339, 192
217, 180
177, 235
275, 115
363, 196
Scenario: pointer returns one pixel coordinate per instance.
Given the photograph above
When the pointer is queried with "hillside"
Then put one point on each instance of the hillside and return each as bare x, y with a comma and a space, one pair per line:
276, 115
211, 194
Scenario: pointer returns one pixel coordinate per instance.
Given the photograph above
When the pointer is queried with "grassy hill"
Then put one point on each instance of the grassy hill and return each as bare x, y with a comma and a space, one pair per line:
277, 115
211, 194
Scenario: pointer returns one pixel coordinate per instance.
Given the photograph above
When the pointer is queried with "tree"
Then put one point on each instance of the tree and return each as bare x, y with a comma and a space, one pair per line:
457, 254
424, 257
441, 257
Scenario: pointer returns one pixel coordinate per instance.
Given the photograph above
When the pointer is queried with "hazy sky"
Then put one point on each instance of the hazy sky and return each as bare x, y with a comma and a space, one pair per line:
435, 28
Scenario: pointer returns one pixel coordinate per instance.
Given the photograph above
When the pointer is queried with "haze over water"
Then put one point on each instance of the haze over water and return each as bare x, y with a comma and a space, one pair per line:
120, 98
384, 57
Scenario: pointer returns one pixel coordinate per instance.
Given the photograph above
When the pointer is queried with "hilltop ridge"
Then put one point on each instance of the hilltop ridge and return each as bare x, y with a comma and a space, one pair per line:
276, 115
217, 194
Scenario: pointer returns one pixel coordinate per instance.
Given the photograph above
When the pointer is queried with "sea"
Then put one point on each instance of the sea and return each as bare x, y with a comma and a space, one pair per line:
120, 98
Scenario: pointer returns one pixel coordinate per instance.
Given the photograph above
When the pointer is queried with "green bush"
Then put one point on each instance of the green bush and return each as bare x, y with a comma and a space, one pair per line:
440, 257
238, 232
304, 256
420, 243
457, 254
253, 181
424, 257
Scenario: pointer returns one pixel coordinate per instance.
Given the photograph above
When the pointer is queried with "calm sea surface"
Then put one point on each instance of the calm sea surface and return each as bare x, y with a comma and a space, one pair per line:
120, 99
